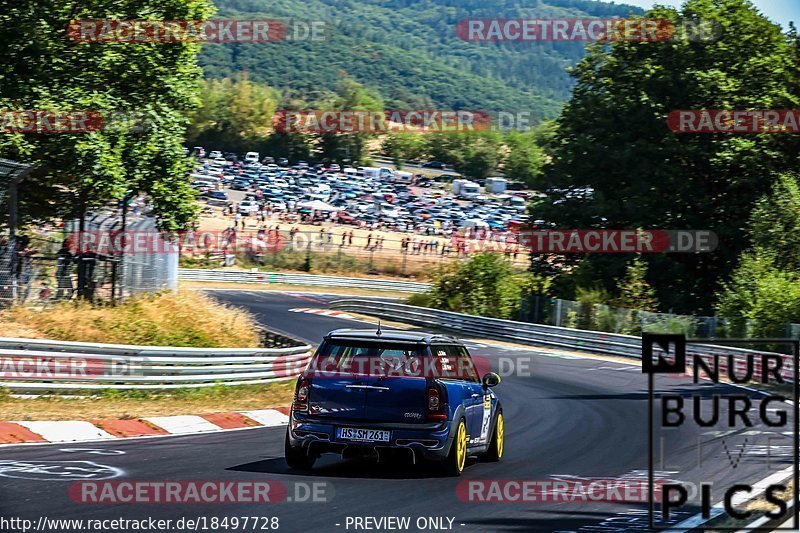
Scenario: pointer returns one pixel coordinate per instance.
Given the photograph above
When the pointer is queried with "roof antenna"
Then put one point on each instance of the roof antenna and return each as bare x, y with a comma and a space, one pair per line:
379, 332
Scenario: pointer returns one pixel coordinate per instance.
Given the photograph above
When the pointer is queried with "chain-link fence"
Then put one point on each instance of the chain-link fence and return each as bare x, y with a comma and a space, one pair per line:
133, 269
599, 317
67, 264
27, 269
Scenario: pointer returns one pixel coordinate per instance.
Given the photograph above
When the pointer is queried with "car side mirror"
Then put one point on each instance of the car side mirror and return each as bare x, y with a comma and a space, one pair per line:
491, 380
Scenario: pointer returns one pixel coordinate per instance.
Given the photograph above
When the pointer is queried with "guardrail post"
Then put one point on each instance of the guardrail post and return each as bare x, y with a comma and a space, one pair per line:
307, 265
558, 312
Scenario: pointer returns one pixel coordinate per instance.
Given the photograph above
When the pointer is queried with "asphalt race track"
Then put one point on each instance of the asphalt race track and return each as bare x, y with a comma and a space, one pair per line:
572, 418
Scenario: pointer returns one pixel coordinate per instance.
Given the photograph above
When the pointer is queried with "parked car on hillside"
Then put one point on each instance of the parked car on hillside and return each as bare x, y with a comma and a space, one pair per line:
247, 207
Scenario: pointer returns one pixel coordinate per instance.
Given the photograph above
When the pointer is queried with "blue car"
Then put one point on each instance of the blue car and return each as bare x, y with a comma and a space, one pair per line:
394, 394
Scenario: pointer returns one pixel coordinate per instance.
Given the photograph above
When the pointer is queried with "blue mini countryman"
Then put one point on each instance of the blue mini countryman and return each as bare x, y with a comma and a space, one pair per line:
386, 394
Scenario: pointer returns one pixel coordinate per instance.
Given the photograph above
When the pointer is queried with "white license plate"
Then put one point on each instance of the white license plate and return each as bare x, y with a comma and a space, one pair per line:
364, 435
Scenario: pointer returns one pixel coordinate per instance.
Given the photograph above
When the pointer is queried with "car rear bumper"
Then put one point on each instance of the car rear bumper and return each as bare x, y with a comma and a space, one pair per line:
423, 441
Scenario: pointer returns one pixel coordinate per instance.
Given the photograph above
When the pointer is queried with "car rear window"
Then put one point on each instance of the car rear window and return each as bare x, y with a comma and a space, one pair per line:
371, 358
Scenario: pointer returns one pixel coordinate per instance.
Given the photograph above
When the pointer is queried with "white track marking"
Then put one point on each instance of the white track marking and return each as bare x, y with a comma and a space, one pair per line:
66, 431
267, 417
182, 424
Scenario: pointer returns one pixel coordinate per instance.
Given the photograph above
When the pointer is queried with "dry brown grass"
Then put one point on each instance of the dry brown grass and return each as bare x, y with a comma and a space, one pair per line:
184, 318
10, 328
121, 405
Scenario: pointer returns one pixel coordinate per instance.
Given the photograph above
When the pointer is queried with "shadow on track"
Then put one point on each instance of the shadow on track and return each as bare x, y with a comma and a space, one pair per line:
561, 521
333, 466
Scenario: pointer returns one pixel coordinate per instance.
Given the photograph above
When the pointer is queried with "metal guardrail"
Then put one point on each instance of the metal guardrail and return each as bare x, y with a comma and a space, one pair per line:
45, 366
527, 333
246, 276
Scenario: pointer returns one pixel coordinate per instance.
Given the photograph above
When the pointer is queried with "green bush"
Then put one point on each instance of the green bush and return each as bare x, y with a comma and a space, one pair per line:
588, 301
484, 285
760, 299
635, 292
671, 324
422, 299
607, 318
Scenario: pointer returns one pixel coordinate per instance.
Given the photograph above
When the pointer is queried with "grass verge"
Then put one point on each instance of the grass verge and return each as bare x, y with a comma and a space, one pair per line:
133, 404
183, 318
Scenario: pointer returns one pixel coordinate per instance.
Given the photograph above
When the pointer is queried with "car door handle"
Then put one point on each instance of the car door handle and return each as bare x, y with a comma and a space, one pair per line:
475, 395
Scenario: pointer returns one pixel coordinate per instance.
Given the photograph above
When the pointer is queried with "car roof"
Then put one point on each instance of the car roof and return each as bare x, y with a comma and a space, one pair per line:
392, 335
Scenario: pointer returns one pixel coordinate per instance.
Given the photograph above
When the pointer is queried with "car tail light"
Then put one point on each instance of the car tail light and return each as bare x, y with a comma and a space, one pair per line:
301, 395
435, 405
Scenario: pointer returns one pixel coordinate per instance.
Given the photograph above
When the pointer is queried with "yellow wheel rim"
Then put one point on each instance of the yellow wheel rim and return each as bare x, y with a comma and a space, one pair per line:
461, 446
500, 435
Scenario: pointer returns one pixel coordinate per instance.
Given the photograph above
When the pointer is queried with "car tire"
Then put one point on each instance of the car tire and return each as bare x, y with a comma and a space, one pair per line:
497, 444
296, 457
457, 458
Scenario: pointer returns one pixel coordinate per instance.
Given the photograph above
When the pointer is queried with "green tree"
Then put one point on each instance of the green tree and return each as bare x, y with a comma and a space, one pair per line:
484, 285
615, 164
760, 299
294, 146
350, 96
410, 51
775, 222
475, 155
235, 115
482, 156
41, 68
400, 146
525, 158
762, 296
634, 290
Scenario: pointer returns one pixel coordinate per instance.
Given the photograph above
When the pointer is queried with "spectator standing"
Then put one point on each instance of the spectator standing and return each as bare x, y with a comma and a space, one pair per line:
64, 261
